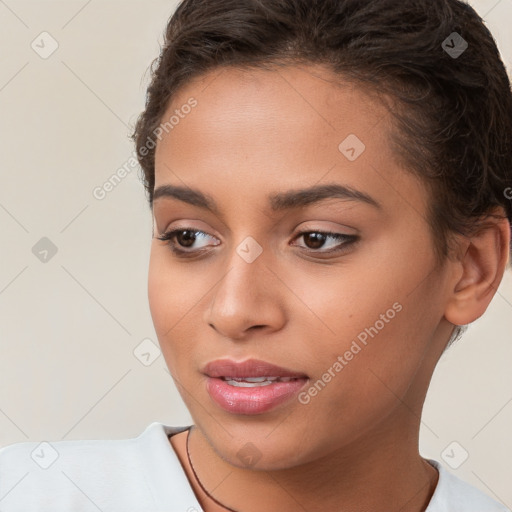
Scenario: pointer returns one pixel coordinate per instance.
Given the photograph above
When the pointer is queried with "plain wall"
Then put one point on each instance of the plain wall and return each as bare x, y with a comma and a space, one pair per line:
69, 326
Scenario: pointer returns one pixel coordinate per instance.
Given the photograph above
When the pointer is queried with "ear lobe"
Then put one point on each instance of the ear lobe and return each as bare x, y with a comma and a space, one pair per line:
480, 271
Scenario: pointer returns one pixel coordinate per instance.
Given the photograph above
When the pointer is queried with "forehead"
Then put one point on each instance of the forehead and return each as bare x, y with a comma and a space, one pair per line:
291, 127
292, 109
304, 102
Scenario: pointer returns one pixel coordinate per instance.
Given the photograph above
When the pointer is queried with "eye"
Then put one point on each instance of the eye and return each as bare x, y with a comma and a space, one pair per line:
186, 237
178, 239
316, 239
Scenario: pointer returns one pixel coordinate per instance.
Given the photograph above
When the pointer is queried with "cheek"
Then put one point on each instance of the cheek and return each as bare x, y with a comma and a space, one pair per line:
379, 319
166, 304
344, 303
176, 299
159, 293
356, 384
171, 293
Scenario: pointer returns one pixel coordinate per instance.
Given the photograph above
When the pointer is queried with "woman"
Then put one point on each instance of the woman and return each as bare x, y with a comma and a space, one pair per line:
328, 182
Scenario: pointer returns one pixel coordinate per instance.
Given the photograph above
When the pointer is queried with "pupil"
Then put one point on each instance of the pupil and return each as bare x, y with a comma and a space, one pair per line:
318, 240
188, 238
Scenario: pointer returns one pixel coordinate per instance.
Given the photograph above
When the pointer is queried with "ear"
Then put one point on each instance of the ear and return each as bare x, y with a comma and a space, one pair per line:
479, 270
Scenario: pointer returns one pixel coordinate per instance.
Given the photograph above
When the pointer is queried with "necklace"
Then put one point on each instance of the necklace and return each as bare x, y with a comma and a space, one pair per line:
199, 481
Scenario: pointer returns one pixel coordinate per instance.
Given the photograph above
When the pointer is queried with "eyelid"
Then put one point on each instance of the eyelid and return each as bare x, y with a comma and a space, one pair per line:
332, 227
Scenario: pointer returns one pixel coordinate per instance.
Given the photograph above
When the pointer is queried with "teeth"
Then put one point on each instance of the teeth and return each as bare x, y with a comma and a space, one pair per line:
253, 379
251, 382
243, 384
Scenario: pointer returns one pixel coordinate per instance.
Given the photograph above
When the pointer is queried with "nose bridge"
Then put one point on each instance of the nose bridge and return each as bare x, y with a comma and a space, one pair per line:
245, 274
245, 296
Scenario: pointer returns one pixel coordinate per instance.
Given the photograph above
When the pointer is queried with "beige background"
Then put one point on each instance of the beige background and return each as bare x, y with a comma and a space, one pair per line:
69, 327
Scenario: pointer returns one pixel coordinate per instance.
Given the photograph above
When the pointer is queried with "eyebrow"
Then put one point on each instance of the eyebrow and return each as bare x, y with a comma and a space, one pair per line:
278, 202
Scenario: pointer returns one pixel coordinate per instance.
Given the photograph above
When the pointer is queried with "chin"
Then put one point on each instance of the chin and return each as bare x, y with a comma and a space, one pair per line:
258, 447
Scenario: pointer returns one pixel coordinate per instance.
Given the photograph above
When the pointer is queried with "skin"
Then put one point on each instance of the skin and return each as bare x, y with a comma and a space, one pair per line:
354, 446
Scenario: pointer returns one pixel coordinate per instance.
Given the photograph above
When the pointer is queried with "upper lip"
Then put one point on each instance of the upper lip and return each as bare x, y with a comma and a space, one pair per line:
248, 368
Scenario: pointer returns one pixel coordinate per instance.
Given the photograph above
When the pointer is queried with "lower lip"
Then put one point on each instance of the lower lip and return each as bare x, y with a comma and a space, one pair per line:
254, 400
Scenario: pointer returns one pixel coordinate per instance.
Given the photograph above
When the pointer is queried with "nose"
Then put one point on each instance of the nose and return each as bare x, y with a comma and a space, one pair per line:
248, 298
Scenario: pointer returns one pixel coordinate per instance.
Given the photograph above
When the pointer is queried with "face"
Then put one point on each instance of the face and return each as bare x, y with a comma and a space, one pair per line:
340, 286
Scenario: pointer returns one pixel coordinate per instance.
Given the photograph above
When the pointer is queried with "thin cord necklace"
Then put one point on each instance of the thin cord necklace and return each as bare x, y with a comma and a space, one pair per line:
199, 481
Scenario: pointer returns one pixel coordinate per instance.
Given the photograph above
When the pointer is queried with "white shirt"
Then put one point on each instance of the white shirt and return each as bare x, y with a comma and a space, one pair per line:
142, 474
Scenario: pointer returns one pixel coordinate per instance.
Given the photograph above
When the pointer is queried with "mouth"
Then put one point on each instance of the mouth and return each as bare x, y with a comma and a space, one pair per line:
252, 386
253, 382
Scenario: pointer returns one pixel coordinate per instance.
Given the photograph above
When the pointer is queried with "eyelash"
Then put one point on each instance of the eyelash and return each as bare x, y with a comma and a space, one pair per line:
348, 240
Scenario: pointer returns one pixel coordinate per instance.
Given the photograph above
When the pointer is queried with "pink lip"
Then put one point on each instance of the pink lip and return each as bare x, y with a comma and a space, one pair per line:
250, 400
248, 368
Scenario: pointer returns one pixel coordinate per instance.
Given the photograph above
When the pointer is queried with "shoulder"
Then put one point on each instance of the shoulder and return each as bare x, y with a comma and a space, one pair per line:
453, 494
86, 474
